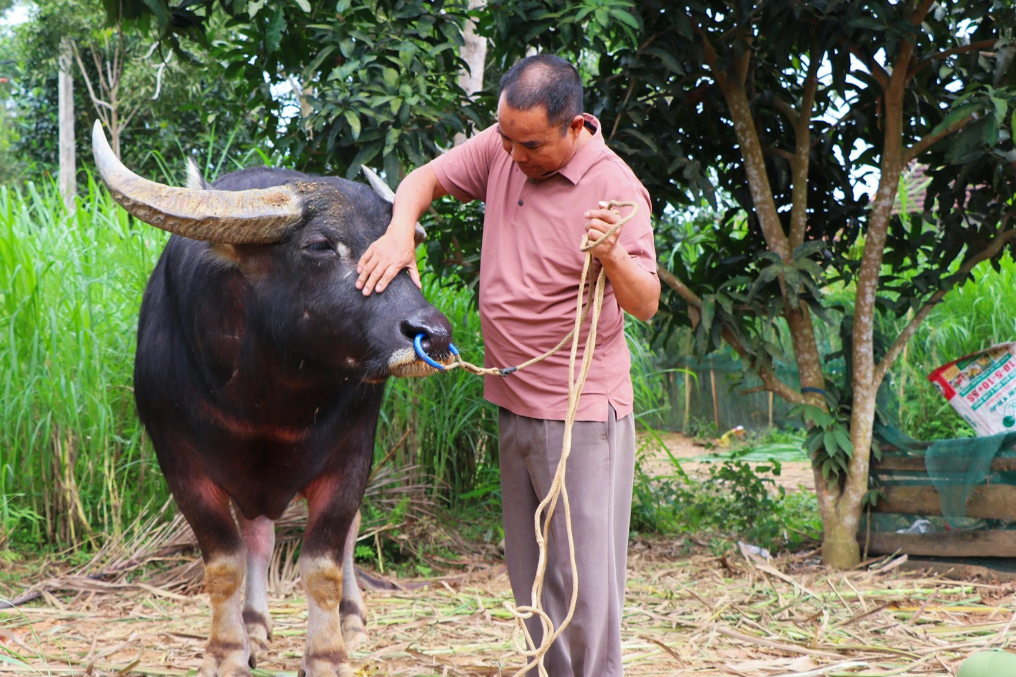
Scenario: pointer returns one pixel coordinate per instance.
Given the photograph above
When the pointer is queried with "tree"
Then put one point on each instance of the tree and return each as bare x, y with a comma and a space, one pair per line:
784, 107
110, 61
383, 74
171, 95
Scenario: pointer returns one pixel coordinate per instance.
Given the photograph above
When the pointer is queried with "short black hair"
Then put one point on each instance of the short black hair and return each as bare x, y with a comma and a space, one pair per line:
544, 80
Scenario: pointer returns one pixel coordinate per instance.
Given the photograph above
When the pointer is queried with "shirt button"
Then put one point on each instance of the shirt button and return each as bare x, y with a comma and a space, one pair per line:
532, 180
520, 203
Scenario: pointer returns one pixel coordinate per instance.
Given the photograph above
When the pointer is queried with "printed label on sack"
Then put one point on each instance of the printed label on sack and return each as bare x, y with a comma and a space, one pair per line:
982, 388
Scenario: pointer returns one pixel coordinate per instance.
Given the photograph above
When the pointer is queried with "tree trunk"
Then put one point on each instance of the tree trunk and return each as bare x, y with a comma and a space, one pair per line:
474, 53
65, 95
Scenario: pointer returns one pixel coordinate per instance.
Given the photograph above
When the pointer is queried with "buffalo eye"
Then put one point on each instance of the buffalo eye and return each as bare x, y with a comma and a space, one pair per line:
319, 247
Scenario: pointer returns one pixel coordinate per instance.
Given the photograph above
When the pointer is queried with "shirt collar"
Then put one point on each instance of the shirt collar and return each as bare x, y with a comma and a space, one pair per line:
584, 158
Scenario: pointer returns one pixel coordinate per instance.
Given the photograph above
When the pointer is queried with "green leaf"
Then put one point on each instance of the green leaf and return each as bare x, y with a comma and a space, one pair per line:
965, 141
391, 138
273, 34
342, 5
318, 60
625, 18
990, 134
366, 154
390, 77
1001, 106
667, 58
829, 440
809, 248
765, 277
254, 6
956, 115
354, 122
304, 5
708, 311
867, 22
844, 441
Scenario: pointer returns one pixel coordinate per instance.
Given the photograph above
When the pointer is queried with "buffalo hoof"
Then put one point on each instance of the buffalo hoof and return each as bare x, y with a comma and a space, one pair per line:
225, 664
320, 668
259, 638
353, 632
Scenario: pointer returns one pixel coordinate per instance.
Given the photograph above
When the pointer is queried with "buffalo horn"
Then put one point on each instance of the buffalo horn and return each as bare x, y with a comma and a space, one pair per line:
221, 216
382, 189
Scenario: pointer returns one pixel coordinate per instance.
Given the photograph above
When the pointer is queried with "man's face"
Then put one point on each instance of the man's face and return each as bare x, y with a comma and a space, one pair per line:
537, 147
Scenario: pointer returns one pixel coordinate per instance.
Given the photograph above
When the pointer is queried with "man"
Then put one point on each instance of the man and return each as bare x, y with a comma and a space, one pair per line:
545, 173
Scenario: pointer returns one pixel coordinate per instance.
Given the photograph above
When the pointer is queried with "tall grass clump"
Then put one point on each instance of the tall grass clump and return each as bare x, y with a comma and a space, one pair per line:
73, 461
452, 430
75, 464
975, 316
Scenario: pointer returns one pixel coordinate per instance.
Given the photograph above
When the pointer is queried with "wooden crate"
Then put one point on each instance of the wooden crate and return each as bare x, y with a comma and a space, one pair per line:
986, 501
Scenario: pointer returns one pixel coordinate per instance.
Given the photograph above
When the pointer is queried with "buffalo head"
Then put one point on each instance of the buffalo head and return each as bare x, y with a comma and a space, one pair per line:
296, 241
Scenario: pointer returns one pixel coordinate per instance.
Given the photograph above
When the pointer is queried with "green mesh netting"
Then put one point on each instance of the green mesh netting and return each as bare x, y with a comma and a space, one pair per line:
954, 467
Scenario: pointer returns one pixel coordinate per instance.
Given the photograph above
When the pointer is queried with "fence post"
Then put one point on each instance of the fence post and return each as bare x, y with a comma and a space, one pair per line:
716, 406
65, 136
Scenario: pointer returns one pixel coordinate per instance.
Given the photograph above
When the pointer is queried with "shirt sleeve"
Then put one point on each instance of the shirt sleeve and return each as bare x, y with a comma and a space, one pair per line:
637, 235
463, 171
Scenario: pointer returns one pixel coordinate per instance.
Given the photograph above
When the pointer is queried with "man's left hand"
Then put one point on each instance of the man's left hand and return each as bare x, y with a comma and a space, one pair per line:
599, 222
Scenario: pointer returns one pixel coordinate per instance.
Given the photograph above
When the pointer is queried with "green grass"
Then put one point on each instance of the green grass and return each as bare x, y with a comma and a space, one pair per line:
73, 461
971, 318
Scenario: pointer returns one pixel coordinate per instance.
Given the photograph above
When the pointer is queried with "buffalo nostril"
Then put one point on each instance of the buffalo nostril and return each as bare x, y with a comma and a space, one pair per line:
433, 326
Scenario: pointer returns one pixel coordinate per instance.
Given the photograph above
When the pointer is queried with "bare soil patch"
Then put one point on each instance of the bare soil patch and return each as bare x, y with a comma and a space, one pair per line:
793, 475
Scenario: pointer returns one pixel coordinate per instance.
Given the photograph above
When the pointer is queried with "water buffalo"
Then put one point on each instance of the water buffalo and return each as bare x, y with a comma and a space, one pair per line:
259, 375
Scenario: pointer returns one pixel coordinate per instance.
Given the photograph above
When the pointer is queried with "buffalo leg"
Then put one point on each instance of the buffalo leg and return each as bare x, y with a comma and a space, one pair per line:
331, 514
351, 608
259, 541
206, 508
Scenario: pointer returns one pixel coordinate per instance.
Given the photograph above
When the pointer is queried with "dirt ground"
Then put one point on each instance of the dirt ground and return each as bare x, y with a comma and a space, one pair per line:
793, 475
687, 612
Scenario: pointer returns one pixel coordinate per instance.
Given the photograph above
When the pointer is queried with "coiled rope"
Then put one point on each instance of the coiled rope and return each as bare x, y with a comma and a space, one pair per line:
536, 654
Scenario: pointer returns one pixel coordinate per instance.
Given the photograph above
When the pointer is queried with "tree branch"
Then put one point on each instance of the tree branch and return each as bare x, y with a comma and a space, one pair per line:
785, 154
769, 379
923, 63
874, 68
710, 55
993, 248
671, 281
740, 66
96, 101
922, 11
802, 159
931, 139
787, 109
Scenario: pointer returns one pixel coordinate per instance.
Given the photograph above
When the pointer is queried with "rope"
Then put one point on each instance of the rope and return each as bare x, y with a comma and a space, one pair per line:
557, 488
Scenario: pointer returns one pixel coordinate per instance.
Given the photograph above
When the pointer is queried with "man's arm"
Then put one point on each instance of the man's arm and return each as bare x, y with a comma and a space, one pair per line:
636, 289
396, 249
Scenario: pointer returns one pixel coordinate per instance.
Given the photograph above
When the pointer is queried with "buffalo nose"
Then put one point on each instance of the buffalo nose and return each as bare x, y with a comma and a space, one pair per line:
436, 330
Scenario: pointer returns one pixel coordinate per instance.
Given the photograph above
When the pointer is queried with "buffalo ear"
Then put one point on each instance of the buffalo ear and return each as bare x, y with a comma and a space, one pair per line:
382, 189
225, 253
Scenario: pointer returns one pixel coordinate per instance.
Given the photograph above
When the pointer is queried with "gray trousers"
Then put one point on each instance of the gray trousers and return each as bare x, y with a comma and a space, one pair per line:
601, 471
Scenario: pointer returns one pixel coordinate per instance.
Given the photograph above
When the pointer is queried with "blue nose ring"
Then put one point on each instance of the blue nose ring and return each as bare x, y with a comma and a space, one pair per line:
418, 344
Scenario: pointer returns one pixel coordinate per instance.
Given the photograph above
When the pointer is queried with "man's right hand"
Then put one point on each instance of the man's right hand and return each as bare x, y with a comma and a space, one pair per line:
396, 249
384, 259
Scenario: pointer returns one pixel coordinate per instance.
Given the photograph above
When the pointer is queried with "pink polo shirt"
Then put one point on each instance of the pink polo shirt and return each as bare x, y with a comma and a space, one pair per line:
530, 266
